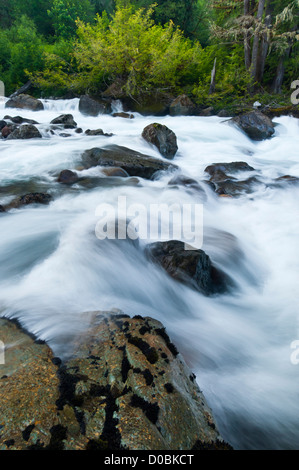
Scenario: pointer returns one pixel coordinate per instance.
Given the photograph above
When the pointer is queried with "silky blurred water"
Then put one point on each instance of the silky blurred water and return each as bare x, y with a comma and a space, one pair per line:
53, 269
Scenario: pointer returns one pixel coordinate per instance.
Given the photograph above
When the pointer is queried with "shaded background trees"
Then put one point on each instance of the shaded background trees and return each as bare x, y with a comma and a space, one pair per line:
254, 43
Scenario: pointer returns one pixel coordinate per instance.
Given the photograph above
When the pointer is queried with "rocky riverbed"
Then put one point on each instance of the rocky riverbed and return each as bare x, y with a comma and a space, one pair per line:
115, 380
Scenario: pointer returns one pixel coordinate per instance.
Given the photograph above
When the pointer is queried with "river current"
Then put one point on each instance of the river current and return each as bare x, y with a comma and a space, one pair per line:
53, 270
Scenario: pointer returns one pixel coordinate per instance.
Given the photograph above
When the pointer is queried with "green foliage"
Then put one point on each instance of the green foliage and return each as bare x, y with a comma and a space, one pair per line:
130, 47
65, 13
21, 50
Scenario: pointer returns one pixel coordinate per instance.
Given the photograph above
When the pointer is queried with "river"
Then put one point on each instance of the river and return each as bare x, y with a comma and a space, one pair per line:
53, 269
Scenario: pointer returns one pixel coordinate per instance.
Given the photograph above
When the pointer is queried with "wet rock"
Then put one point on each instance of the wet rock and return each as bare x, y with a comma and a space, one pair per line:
134, 163
233, 167
124, 115
6, 131
226, 185
125, 387
79, 130
63, 134
26, 131
97, 132
20, 120
29, 389
2, 125
2, 209
206, 112
133, 389
68, 177
66, 120
31, 198
161, 137
182, 106
115, 172
23, 101
255, 124
193, 268
188, 183
92, 107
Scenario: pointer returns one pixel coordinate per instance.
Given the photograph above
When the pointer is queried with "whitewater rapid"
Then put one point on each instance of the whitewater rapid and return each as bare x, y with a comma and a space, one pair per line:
53, 270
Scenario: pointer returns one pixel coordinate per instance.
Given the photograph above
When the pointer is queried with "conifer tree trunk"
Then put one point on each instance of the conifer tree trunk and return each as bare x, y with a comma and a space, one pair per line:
256, 44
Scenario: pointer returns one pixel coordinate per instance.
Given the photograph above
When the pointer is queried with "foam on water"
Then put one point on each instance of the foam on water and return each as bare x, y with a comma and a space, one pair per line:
53, 269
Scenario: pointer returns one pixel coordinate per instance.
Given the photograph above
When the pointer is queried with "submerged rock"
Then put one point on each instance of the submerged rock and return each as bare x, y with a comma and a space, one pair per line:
68, 177
255, 124
31, 198
26, 131
124, 115
161, 137
125, 387
23, 101
134, 163
193, 268
97, 132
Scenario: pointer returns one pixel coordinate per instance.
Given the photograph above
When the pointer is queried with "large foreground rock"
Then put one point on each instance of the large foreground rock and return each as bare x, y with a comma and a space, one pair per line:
134, 163
25, 102
255, 124
126, 387
161, 137
29, 389
193, 268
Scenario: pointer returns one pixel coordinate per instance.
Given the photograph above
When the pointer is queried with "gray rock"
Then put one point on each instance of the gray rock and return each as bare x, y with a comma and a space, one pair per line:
65, 120
68, 177
26, 131
91, 107
182, 106
134, 163
255, 124
161, 137
193, 268
23, 101
20, 120
125, 387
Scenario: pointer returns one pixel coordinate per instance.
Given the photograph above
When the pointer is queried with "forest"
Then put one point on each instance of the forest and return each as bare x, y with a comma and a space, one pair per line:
215, 51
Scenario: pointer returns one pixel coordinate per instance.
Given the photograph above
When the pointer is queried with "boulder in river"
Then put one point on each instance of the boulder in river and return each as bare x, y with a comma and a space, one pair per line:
26, 131
182, 106
124, 115
2, 124
29, 391
97, 132
193, 268
20, 120
68, 177
30, 198
23, 101
65, 120
125, 387
134, 163
93, 107
161, 137
226, 185
255, 124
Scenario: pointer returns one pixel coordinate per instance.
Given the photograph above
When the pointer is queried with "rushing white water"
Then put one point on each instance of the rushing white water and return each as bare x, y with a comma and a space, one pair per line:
53, 269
